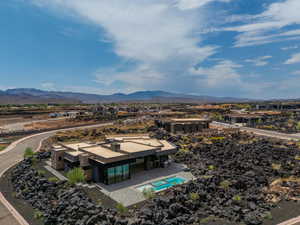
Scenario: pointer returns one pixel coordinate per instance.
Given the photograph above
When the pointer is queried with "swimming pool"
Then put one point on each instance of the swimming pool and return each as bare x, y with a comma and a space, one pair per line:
162, 184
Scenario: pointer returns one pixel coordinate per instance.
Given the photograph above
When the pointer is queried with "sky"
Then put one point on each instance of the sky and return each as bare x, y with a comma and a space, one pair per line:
236, 48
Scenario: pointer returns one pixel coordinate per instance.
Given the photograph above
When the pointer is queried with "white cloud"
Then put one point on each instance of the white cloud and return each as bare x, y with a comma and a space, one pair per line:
265, 27
289, 47
3, 88
48, 86
294, 59
260, 61
193, 4
222, 74
158, 38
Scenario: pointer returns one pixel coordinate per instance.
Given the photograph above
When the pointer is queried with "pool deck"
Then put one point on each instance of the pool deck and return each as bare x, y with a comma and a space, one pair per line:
126, 192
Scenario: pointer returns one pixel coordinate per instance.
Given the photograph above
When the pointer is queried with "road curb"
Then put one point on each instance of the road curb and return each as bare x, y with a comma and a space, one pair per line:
14, 144
291, 221
10, 208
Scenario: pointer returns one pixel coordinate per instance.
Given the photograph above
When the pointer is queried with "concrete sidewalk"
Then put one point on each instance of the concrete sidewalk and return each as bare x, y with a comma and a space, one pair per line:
6, 217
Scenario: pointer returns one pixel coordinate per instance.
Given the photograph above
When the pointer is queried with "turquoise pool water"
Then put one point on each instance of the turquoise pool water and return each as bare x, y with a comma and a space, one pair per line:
162, 184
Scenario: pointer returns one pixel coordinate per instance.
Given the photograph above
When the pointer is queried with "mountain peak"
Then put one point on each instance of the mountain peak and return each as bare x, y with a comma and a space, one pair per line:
144, 96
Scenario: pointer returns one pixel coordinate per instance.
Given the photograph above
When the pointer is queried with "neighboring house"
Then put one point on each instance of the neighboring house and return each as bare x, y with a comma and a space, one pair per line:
246, 119
184, 125
114, 160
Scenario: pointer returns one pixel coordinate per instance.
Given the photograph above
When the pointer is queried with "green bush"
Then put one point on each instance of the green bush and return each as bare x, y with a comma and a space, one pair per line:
28, 153
237, 198
76, 175
268, 216
298, 126
41, 172
194, 196
225, 184
211, 167
121, 208
148, 193
53, 179
38, 215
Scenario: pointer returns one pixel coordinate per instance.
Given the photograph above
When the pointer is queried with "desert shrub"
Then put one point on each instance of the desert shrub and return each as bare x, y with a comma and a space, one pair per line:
53, 179
276, 166
28, 153
237, 198
148, 193
38, 215
268, 216
207, 219
194, 196
121, 208
76, 175
41, 172
211, 167
225, 184
298, 126
217, 138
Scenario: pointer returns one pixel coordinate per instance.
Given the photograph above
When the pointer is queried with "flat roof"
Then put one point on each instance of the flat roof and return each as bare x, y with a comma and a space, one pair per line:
128, 137
103, 152
131, 147
150, 142
75, 153
166, 145
189, 119
77, 146
59, 149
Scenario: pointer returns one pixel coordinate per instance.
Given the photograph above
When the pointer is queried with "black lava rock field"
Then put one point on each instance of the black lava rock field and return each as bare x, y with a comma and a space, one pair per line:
234, 172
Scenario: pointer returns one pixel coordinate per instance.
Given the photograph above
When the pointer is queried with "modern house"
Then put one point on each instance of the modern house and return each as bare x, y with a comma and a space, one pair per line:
183, 125
247, 119
114, 160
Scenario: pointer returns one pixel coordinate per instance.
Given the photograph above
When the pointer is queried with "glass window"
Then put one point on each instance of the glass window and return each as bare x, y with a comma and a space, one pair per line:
119, 173
126, 171
111, 175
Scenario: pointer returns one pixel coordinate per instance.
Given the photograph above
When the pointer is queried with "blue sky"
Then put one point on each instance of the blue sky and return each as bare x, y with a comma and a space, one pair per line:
232, 48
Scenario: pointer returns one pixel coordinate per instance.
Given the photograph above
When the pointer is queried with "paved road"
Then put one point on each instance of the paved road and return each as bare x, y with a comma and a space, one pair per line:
9, 158
261, 132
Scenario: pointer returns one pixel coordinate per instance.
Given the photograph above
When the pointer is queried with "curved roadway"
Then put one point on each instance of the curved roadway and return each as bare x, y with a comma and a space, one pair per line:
12, 155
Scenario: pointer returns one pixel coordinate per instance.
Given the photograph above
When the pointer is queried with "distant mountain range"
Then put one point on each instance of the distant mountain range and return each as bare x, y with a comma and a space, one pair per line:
30, 96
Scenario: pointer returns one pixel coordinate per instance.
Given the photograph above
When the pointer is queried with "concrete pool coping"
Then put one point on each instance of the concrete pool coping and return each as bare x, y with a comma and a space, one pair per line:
126, 192
152, 185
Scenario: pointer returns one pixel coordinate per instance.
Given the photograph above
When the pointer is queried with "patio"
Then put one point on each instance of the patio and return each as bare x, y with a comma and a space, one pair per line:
126, 192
